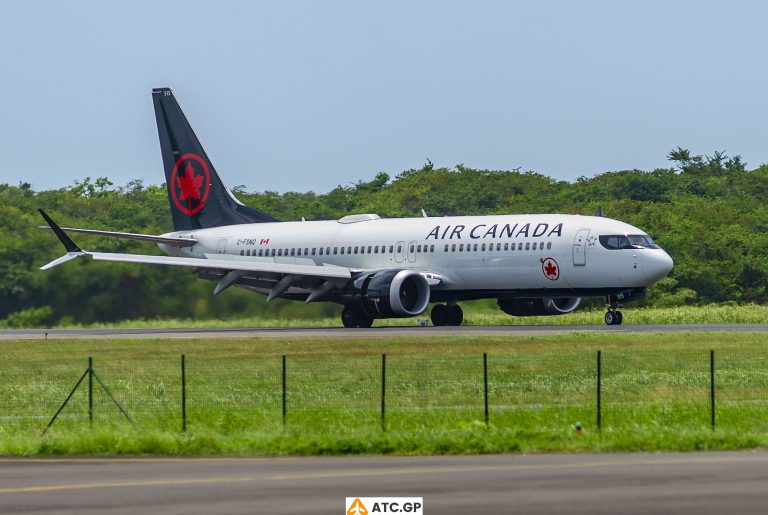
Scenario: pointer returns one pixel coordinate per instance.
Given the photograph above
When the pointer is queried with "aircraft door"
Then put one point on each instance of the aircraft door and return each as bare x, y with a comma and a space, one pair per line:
399, 247
580, 247
222, 247
412, 251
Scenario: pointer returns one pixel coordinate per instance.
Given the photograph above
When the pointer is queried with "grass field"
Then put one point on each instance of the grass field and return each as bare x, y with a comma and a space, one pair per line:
487, 313
655, 395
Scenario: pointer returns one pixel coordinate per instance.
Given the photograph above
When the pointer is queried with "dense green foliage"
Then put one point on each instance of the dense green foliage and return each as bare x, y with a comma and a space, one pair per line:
708, 212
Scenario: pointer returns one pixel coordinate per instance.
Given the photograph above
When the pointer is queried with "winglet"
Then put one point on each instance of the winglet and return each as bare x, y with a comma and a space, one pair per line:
70, 245
73, 251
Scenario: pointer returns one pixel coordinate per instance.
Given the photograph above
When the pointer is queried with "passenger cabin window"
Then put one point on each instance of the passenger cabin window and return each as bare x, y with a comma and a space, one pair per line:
527, 246
431, 248
549, 245
261, 252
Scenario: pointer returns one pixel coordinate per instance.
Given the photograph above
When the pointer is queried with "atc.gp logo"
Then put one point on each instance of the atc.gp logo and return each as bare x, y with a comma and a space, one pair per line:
384, 505
551, 269
190, 184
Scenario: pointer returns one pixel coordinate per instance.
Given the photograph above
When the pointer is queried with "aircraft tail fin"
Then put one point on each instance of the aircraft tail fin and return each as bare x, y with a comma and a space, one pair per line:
197, 196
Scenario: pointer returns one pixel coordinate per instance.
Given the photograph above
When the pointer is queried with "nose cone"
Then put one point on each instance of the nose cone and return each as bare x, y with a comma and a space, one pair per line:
656, 265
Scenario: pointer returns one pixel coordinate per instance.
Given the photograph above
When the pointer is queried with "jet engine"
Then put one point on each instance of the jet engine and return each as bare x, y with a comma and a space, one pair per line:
539, 307
393, 293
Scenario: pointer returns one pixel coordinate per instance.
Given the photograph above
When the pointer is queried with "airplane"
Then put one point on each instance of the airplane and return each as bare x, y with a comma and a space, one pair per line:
377, 268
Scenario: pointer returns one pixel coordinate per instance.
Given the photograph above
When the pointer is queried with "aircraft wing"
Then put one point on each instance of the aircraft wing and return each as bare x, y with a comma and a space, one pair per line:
231, 269
327, 272
167, 240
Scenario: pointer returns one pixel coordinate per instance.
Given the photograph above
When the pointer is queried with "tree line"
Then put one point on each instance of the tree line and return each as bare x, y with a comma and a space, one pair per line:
708, 211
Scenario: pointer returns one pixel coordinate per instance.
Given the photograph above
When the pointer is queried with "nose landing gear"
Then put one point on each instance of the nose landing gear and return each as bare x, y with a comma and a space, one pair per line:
447, 314
613, 316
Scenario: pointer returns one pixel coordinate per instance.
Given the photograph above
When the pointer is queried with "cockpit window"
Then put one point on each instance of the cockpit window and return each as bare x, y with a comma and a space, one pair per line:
631, 241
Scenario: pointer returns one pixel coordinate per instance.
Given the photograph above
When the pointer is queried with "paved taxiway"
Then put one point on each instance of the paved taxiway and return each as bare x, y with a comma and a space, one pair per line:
611, 483
374, 332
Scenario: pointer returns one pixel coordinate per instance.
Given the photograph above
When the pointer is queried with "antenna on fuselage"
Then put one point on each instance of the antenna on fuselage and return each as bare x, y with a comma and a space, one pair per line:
600, 211
424, 214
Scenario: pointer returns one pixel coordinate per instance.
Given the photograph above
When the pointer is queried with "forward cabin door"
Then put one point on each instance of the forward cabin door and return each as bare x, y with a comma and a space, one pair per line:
222, 247
580, 247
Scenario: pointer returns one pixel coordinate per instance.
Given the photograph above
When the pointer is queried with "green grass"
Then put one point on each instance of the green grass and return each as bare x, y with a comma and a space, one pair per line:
487, 313
655, 395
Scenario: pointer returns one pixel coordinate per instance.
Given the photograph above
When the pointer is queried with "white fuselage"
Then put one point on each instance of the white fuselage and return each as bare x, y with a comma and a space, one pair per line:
474, 256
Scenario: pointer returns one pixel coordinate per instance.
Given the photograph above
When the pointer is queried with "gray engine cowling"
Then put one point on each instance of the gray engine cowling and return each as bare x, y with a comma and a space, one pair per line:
539, 307
393, 293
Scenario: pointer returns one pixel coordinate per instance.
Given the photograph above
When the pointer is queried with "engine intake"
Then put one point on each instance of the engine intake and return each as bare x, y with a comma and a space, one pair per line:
539, 307
395, 293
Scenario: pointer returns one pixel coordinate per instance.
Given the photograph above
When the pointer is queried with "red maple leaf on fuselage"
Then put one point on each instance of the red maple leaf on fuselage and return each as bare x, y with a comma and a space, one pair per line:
550, 269
189, 183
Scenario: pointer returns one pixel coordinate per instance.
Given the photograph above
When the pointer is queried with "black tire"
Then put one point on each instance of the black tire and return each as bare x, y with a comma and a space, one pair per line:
610, 318
619, 318
349, 317
455, 315
439, 315
365, 321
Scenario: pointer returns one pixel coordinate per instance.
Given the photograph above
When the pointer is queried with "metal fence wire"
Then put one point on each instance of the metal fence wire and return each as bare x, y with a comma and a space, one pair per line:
615, 389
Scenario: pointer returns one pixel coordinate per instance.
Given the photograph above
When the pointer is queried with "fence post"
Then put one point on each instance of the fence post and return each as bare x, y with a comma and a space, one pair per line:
599, 390
485, 385
183, 394
90, 391
383, 391
712, 384
284, 409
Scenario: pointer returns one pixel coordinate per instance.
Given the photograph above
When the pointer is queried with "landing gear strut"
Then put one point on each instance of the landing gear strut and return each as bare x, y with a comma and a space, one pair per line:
613, 316
447, 314
354, 316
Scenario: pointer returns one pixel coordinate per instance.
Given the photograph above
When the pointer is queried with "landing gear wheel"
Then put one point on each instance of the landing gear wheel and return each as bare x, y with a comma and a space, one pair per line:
455, 315
614, 318
354, 316
439, 315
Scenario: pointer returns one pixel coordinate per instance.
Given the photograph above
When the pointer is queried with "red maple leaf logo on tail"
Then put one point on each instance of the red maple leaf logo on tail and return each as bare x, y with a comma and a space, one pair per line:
190, 183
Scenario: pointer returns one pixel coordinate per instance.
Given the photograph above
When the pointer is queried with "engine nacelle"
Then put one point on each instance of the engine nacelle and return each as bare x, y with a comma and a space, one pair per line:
539, 307
394, 293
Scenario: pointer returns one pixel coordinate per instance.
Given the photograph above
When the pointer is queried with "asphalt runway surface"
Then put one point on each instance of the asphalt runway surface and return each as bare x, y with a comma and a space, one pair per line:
374, 332
682, 483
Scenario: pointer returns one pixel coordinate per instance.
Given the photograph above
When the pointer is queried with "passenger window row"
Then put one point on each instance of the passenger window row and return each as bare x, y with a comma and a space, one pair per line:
498, 247
374, 249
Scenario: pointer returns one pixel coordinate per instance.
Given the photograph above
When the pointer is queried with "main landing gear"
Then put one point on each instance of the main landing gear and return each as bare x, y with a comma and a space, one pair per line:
354, 315
447, 314
613, 316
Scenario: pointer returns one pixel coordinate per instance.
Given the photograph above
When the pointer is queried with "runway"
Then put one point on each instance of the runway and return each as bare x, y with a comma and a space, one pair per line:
682, 483
374, 332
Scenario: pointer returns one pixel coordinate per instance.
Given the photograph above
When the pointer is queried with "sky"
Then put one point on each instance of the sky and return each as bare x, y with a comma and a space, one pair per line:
308, 95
